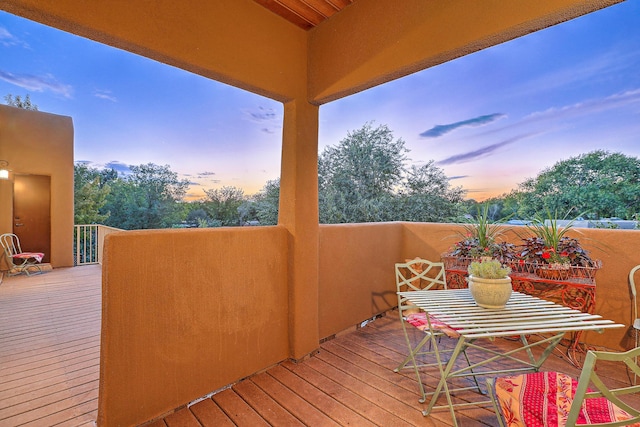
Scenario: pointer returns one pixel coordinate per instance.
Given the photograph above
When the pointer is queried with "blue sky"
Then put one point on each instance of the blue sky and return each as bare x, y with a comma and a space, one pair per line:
489, 120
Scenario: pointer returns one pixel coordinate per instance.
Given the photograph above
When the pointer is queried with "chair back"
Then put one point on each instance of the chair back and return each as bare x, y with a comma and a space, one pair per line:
418, 275
590, 378
634, 292
11, 244
6, 256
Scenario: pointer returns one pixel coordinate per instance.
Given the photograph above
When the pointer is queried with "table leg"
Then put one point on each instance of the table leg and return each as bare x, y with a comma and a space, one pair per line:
444, 374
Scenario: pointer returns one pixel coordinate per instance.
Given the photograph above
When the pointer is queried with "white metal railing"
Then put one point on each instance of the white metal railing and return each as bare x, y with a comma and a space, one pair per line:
88, 242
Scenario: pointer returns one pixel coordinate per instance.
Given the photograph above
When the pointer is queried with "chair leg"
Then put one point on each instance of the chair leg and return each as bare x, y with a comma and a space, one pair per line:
494, 400
475, 379
413, 351
36, 267
635, 377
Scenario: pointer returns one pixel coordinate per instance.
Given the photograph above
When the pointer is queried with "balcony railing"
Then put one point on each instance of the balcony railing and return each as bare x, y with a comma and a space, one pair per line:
88, 243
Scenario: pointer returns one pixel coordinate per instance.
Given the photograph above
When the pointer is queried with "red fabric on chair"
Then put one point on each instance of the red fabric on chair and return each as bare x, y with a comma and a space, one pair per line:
28, 255
543, 399
419, 321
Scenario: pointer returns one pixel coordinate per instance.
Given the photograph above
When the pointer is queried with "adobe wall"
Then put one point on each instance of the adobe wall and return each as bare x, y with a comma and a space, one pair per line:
40, 143
186, 312
357, 279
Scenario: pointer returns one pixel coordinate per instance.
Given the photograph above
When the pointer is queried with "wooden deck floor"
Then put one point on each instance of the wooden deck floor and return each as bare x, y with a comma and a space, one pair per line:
50, 348
49, 365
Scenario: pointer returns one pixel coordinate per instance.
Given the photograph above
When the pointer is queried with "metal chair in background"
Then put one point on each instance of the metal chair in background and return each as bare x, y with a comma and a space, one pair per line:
17, 260
634, 308
421, 275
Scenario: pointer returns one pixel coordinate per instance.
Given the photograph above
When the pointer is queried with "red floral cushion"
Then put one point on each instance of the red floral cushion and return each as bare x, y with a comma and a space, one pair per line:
543, 399
419, 320
27, 255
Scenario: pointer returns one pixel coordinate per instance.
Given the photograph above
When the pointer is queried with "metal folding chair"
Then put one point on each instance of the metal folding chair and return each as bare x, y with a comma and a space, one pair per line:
418, 275
634, 308
18, 261
543, 398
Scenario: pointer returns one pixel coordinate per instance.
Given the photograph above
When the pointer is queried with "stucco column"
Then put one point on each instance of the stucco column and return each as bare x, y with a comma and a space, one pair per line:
299, 214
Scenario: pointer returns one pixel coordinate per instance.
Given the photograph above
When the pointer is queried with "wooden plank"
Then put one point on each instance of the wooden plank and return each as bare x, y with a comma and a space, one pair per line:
56, 412
49, 399
36, 392
237, 409
49, 348
62, 379
328, 404
264, 405
357, 395
182, 418
209, 414
50, 368
292, 402
42, 359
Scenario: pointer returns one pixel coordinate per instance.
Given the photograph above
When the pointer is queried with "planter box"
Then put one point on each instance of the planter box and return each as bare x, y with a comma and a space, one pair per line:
579, 273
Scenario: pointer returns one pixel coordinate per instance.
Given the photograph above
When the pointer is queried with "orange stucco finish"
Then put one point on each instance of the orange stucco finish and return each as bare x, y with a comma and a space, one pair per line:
42, 144
158, 302
186, 312
372, 41
237, 42
298, 212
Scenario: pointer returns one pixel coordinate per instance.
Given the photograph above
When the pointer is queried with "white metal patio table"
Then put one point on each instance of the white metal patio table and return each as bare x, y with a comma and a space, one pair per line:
523, 316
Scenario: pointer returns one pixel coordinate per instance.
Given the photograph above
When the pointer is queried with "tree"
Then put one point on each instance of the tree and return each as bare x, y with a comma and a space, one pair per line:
364, 179
90, 194
266, 203
19, 103
223, 204
428, 197
357, 177
148, 198
598, 184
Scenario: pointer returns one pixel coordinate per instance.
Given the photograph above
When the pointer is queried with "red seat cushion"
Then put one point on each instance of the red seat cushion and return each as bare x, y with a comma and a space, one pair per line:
543, 399
27, 255
419, 320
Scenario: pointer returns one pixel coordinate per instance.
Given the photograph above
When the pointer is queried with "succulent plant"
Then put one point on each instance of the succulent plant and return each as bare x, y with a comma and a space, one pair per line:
488, 268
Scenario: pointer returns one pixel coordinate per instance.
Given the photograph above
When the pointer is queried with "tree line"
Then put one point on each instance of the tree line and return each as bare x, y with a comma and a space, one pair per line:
366, 177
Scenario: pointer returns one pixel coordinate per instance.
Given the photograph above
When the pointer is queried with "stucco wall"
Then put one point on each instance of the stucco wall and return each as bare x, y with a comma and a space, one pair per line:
40, 143
356, 270
357, 279
186, 312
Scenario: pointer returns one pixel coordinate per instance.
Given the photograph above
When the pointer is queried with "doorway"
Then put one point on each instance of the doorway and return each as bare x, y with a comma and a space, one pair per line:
32, 213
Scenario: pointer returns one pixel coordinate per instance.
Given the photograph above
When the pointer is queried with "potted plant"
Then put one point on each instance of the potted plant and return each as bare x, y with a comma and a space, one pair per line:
553, 254
480, 239
489, 282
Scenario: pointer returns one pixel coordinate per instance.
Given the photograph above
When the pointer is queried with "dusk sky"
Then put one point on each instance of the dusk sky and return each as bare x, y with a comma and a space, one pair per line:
489, 120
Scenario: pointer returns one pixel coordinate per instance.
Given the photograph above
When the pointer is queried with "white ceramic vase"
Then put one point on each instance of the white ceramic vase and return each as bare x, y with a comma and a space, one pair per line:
490, 293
